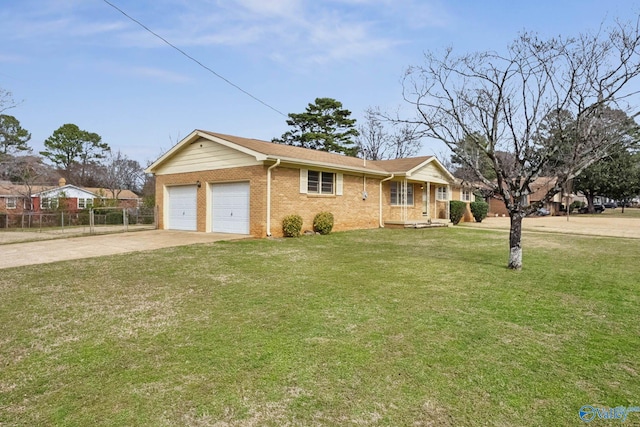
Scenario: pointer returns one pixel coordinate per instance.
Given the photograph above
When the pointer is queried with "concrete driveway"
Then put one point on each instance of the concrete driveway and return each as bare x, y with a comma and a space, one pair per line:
46, 251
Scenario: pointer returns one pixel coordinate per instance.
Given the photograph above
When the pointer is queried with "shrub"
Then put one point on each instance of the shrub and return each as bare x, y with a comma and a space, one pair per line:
575, 206
83, 218
479, 210
456, 210
323, 222
114, 218
292, 225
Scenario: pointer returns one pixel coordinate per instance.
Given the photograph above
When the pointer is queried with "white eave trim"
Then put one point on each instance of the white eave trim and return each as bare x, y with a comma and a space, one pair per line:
324, 165
62, 189
438, 164
193, 137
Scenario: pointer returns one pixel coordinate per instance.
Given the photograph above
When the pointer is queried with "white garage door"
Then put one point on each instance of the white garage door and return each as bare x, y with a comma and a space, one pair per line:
230, 208
182, 207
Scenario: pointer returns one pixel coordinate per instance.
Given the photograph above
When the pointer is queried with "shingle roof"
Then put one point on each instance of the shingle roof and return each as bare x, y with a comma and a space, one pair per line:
401, 165
8, 188
16, 190
121, 195
291, 152
540, 187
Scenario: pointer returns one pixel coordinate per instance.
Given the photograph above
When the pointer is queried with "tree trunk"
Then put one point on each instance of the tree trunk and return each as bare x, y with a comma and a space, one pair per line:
515, 241
590, 208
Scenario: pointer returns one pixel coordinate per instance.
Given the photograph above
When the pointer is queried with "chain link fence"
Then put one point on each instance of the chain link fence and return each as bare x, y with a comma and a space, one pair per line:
28, 226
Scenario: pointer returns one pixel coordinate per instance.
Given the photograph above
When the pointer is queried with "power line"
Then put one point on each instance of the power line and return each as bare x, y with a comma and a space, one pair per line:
194, 59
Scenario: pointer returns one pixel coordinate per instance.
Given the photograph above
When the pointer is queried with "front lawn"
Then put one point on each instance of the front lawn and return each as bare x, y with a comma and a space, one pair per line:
379, 327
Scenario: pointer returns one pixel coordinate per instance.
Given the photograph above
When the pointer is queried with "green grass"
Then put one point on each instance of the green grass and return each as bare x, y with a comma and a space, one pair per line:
379, 327
617, 212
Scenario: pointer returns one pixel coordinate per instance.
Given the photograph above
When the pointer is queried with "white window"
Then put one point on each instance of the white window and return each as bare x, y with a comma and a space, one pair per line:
465, 195
12, 202
85, 203
442, 193
397, 195
320, 182
48, 203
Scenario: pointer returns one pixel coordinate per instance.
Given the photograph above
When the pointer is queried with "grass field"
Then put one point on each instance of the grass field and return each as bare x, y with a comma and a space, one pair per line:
617, 212
379, 327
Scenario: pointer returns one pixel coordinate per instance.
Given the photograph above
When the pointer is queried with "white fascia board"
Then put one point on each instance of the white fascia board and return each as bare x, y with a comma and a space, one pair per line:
433, 159
323, 165
58, 190
260, 157
193, 137
185, 141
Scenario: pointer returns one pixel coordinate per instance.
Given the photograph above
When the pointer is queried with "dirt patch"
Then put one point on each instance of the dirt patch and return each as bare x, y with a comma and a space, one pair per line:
582, 225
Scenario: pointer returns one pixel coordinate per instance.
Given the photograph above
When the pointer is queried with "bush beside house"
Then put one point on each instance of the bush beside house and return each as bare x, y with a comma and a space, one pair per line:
323, 223
479, 210
292, 225
456, 211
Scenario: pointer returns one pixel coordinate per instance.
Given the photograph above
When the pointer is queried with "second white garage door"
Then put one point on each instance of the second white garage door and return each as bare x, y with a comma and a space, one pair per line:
230, 208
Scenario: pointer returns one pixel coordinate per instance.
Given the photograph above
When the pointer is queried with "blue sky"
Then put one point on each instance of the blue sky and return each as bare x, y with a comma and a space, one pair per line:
83, 62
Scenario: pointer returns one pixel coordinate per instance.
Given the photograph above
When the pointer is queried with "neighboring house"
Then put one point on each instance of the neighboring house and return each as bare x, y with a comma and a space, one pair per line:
13, 198
211, 182
119, 198
539, 188
16, 198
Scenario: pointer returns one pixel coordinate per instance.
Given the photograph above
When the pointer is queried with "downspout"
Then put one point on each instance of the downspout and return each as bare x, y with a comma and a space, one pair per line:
269, 196
380, 198
405, 202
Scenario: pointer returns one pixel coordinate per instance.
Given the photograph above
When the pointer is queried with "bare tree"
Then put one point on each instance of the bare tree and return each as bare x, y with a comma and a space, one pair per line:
6, 100
122, 173
499, 103
29, 171
374, 142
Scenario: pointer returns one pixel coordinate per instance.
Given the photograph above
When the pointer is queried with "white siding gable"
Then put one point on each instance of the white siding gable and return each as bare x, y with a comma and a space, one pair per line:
206, 155
431, 173
68, 192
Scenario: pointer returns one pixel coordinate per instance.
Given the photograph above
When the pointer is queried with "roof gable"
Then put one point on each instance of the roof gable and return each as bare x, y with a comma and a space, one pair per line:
68, 190
109, 194
268, 151
425, 168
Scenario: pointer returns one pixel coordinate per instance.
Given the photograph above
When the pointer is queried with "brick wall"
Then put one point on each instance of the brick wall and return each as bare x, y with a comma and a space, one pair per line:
255, 175
394, 213
350, 211
456, 194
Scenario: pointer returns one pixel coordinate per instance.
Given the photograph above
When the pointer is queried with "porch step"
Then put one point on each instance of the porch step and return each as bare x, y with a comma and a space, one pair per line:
414, 224
423, 225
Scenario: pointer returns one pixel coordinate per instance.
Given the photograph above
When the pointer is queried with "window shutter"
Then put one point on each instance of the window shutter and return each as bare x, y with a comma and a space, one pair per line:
303, 181
339, 184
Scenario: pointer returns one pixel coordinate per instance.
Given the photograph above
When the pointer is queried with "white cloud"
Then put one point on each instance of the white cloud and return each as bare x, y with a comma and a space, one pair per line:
157, 74
298, 32
287, 8
292, 31
14, 59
